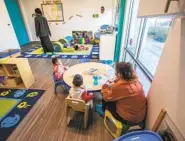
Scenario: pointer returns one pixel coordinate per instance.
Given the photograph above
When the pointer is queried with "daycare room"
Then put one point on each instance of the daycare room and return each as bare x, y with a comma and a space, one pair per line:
86, 70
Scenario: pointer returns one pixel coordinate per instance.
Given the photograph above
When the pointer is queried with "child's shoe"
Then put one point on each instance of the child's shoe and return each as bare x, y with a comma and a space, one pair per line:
99, 110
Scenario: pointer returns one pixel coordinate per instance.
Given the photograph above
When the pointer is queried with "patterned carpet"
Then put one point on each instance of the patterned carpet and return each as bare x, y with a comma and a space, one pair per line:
14, 106
36, 52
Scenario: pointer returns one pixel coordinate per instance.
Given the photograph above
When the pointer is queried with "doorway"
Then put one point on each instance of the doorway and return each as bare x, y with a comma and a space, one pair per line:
17, 21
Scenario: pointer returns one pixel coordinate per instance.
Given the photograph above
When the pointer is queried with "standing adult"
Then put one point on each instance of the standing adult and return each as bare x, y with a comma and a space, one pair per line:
43, 31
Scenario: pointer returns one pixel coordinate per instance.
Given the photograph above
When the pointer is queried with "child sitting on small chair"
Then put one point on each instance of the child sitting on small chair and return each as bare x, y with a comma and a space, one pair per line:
79, 92
58, 68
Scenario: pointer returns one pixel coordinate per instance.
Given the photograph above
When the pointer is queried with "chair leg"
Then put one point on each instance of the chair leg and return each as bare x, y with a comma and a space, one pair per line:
86, 117
67, 114
55, 89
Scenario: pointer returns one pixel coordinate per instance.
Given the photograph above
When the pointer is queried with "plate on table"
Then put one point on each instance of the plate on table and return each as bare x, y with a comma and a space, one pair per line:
91, 71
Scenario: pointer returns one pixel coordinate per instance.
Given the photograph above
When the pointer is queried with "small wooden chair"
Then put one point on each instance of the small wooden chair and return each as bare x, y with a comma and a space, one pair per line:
77, 105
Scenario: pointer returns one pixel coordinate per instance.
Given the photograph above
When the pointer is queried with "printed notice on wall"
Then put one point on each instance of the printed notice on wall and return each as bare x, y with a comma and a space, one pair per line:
53, 12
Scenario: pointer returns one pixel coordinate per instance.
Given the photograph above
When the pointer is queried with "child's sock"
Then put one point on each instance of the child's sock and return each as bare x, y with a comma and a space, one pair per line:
98, 106
100, 111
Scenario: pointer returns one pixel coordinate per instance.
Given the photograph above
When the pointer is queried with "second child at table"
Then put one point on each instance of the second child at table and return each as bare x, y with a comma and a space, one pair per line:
79, 92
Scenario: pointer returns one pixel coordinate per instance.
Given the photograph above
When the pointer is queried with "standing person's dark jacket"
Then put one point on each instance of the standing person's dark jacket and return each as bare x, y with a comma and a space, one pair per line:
41, 26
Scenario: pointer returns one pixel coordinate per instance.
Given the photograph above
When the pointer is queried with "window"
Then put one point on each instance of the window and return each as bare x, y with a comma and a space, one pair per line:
154, 37
144, 80
145, 39
134, 28
128, 58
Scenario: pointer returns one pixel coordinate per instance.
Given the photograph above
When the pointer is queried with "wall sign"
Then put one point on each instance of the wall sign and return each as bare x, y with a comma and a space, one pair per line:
53, 12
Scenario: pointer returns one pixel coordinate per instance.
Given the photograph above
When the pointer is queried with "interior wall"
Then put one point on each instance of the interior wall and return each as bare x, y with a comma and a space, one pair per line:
86, 8
168, 87
8, 39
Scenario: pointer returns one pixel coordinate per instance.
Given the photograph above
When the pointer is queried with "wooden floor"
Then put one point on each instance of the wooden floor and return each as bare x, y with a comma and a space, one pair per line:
46, 120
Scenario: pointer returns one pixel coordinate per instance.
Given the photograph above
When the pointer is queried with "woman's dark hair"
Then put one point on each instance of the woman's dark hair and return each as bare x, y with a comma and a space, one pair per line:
77, 80
38, 11
54, 60
125, 70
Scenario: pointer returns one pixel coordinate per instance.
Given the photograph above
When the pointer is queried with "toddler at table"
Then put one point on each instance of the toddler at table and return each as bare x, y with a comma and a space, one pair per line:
77, 91
58, 68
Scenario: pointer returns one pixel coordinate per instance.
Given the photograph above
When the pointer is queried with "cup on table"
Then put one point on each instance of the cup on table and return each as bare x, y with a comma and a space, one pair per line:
95, 82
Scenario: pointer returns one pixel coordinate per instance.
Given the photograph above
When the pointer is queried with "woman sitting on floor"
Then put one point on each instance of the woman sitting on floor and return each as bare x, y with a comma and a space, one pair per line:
124, 97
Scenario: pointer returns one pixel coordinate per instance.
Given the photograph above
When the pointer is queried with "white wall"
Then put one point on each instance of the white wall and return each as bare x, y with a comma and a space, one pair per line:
86, 8
157, 7
8, 39
168, 87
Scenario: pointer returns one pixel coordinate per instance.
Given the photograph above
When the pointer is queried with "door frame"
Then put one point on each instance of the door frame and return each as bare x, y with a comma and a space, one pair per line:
24, 19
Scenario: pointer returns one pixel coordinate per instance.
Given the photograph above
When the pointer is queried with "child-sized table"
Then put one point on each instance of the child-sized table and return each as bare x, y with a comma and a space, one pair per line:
104, 72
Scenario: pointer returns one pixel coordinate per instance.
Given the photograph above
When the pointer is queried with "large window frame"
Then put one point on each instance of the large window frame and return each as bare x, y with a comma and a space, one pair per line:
135, 56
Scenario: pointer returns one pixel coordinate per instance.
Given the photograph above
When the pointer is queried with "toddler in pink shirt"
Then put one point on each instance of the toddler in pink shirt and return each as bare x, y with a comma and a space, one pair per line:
58, 68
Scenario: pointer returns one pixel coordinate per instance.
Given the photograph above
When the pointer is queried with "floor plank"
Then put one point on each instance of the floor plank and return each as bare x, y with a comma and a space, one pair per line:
46, 120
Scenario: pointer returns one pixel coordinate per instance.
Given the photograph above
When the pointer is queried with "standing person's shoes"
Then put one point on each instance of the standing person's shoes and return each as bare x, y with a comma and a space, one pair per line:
44, 55
53, 53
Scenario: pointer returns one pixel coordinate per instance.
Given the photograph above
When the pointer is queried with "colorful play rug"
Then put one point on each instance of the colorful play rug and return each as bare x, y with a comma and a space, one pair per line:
36, 52
14, 106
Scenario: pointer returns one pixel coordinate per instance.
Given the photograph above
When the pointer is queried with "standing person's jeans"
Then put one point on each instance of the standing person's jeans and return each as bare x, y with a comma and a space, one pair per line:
46, 44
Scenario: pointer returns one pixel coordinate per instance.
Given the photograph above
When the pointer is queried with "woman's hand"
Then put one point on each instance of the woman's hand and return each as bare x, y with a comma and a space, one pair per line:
109, 85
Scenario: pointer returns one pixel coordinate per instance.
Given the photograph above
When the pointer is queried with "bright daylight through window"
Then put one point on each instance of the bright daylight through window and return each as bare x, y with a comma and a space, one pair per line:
145, 40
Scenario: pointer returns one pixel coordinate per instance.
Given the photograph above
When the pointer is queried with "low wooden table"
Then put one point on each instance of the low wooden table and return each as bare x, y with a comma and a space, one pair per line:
83, 69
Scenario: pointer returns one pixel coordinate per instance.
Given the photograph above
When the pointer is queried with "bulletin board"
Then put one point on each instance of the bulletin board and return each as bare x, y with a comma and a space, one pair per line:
53, 12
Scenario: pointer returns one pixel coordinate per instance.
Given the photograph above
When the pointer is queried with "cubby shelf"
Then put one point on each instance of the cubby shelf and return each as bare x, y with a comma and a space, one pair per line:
17, 72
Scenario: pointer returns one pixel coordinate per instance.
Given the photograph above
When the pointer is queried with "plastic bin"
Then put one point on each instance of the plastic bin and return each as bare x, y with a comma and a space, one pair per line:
140, 136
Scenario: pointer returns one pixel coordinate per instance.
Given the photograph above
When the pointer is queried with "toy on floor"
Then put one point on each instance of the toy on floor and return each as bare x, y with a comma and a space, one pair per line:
81, 41
70, 40
80, 48
59, 47
63, 41
82, 37
96, 39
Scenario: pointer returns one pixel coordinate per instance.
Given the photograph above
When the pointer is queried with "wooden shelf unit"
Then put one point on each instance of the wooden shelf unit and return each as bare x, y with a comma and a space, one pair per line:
18, 73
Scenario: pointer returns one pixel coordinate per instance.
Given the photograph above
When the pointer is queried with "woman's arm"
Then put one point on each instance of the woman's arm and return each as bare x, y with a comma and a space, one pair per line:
115, 92
108, 92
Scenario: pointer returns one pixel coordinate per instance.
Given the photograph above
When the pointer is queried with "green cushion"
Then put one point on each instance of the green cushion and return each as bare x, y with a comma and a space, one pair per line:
75, 36
63, 41
81, 40
68, 50
59, 45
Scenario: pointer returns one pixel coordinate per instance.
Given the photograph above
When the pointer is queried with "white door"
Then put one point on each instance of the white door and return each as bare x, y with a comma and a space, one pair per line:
152, 8
8, 39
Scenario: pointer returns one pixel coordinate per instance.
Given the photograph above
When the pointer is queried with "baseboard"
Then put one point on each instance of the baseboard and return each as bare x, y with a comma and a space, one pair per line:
35, 42
38, 42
